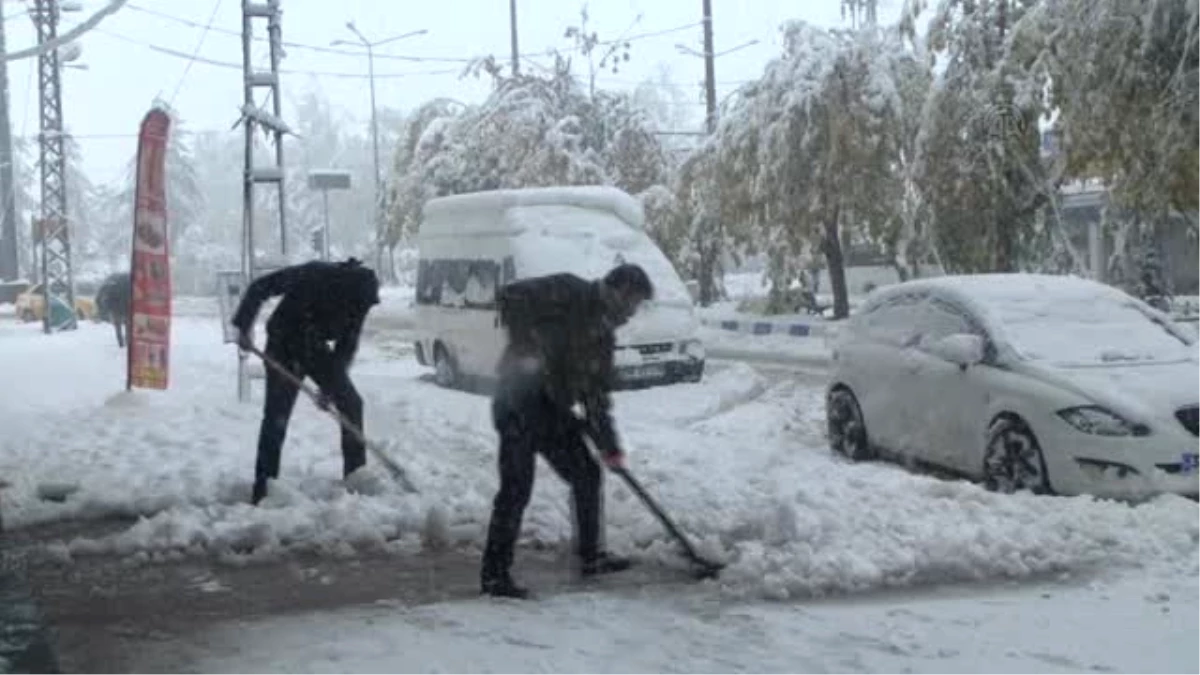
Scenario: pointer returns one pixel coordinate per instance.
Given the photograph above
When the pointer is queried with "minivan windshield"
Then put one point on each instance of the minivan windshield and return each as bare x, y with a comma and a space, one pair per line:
589, 243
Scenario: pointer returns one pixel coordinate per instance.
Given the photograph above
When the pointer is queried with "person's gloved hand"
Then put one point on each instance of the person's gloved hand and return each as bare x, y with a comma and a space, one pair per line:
614, 460
323, 402
245, 339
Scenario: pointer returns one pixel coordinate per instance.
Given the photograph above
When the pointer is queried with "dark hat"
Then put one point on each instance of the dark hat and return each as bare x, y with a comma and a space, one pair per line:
629, 277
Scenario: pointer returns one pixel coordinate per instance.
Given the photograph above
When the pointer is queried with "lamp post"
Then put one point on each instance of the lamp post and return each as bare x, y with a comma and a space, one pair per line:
370, 46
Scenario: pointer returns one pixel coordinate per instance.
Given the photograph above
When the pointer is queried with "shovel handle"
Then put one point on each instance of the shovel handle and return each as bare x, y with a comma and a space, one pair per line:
393, 468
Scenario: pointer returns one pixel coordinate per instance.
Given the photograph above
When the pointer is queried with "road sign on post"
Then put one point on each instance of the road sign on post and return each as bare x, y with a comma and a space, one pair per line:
326, 180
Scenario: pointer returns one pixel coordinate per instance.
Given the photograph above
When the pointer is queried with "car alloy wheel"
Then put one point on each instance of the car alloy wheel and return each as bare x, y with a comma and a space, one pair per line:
1013, 461
846, 429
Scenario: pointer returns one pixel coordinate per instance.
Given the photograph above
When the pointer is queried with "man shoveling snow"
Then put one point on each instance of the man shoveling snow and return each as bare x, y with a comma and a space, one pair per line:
322, 303
559, 355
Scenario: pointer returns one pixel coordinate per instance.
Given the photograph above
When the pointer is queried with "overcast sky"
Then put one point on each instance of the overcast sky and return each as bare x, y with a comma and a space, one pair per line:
103, 105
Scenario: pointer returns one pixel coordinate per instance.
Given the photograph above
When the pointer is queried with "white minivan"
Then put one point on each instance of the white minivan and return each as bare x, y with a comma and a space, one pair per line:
471, 244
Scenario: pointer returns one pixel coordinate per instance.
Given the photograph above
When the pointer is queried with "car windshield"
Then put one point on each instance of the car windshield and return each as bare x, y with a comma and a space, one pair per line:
589, 243
1090, 329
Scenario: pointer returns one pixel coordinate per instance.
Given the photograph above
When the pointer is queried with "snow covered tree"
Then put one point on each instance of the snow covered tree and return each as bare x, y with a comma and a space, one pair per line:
632, 155
666, 107
813, 149
1122, 76
422, 137
532, 131
981, 172
709, 226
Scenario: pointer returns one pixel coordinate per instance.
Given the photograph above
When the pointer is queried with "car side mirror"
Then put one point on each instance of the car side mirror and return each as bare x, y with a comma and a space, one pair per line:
963, 349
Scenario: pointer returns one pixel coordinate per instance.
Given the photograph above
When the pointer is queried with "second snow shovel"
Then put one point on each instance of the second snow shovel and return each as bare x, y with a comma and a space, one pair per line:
397, 471
705, 569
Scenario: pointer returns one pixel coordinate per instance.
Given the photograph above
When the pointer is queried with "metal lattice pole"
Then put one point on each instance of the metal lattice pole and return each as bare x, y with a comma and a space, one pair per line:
255, 117
53, 230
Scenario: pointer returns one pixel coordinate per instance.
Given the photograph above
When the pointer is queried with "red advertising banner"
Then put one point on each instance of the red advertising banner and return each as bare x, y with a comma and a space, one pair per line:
150, 268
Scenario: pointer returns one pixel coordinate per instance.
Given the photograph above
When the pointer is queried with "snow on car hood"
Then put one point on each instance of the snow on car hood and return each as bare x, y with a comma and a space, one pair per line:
658, 322
1141, 390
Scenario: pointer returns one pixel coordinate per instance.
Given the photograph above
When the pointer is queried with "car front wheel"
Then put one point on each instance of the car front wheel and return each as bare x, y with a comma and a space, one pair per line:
846, 429
1013, 461
445, 372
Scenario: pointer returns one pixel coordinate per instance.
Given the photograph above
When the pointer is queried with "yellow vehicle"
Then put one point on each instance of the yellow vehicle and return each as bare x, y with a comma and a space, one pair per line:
31, 305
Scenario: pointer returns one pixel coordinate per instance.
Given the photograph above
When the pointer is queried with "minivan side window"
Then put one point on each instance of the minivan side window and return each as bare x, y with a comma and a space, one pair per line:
461, 283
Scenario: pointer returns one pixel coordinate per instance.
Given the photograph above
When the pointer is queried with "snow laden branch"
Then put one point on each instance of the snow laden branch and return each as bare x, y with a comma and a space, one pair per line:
1122, 78
817, 152
532, 131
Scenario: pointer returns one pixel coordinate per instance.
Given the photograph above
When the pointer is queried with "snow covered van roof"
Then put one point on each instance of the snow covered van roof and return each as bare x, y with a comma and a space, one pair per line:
457, 212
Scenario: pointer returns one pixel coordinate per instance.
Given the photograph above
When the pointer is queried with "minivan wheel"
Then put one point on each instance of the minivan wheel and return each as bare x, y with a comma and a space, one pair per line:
1013, 460
445, 373
845, 427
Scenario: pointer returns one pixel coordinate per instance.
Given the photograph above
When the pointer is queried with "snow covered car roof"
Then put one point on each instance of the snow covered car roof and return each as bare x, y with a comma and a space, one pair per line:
1057, 318
1007, 285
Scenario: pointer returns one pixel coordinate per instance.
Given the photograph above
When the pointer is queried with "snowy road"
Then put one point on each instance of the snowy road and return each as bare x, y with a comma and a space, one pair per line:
218, 585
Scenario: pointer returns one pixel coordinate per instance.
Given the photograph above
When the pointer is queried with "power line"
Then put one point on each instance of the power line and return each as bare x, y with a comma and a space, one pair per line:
226, 64
395, 57
298, 45
656, 33
196, 52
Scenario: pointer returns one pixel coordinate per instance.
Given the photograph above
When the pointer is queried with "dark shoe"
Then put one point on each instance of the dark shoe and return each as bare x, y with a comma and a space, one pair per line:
260, 491
605, 563
504, 587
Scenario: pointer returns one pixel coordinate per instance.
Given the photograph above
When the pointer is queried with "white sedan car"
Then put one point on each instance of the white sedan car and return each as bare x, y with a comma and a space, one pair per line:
1051, 384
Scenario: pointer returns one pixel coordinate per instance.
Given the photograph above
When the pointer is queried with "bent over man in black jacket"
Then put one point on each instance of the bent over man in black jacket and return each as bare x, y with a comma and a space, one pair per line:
322, 303
559, 355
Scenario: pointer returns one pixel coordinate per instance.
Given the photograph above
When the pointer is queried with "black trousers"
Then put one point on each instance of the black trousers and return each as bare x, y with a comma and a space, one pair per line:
119, 324
529, 424
317, 363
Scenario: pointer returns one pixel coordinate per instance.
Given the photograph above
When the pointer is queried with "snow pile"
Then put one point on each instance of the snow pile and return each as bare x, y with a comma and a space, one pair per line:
737, 459
795, 521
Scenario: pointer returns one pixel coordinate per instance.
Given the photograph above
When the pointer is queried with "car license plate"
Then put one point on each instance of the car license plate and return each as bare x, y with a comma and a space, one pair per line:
646, 372
1188, 462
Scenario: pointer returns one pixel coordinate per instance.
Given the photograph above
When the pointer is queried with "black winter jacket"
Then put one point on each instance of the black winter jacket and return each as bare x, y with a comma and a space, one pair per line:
560, 323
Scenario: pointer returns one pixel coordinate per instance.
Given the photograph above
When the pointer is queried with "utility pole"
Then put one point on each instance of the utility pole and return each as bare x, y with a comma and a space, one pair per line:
52, 229
254, 117
9, 268
380, 218
512, 21
710, 80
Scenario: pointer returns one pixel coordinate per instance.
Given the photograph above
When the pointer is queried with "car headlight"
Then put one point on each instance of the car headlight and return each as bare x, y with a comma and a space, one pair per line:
1098, 421
693, 349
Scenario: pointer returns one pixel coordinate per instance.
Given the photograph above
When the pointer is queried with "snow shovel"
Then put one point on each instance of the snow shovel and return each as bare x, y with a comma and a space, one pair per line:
397, 472
705, 569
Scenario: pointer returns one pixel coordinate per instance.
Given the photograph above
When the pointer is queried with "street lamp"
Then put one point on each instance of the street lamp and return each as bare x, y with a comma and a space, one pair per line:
362, 40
